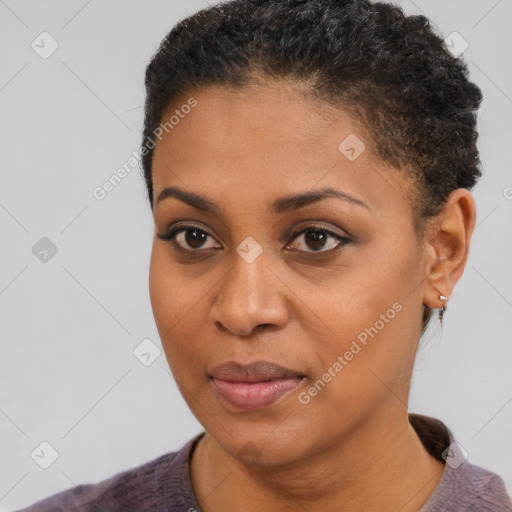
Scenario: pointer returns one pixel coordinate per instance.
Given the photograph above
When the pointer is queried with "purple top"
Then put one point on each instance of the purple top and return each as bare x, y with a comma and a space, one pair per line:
163, 484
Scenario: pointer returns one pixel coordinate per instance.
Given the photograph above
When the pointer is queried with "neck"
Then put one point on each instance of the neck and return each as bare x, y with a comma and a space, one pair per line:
382, 466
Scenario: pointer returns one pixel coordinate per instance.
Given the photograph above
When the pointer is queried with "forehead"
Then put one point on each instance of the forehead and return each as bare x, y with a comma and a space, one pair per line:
262, 142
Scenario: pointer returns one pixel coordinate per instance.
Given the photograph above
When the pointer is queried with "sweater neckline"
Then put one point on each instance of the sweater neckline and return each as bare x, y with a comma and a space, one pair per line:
435, 436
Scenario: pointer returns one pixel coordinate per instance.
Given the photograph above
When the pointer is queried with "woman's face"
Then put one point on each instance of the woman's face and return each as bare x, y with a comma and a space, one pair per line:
330, 289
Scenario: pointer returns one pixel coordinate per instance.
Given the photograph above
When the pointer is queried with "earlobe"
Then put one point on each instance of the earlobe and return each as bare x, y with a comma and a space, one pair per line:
449, 248
437, 301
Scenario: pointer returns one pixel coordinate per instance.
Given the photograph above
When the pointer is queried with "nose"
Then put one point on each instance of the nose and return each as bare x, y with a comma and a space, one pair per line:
251, 296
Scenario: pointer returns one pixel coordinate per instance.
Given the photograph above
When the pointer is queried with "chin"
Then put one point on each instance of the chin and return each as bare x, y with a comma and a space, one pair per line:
264, 446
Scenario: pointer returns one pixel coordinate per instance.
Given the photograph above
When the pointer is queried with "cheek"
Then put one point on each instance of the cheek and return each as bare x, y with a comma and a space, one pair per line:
369, 327
363, 366
161, 292
172, 293
169, 300
179, 306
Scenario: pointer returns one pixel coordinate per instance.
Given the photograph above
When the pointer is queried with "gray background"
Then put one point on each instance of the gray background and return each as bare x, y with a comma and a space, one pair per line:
69, 325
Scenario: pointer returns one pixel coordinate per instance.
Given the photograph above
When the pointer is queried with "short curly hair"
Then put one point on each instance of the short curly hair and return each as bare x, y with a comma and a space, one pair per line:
390, 70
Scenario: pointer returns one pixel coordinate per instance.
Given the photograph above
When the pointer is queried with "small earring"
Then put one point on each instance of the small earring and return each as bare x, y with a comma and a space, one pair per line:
443, 308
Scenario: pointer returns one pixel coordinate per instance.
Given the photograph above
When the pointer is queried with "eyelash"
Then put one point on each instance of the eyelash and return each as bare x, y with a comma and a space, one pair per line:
171, 234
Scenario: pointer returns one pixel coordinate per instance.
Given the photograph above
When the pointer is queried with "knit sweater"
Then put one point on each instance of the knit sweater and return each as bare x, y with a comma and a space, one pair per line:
163, 484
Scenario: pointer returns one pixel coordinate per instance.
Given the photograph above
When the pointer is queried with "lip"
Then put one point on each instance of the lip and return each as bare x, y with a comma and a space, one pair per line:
255, 385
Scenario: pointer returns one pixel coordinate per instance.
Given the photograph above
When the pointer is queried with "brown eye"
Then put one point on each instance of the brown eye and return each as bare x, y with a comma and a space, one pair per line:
195, 238
315, 239
189, 238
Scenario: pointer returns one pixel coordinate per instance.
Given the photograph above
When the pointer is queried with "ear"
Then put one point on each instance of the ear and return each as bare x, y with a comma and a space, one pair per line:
448, 240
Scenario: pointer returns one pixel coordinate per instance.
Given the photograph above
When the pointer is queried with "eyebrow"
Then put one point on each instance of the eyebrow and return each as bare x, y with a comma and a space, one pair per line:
282, 205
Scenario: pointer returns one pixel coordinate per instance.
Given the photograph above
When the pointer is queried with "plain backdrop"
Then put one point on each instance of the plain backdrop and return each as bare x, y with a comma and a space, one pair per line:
74, 299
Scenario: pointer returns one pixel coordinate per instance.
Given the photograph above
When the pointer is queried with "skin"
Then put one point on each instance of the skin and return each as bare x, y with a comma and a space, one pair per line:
351, 447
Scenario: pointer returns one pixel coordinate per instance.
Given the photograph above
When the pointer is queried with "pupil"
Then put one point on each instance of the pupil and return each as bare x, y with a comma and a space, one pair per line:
315, 239
195, 240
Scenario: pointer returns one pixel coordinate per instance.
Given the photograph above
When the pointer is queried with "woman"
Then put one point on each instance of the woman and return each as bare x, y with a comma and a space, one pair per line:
309, 166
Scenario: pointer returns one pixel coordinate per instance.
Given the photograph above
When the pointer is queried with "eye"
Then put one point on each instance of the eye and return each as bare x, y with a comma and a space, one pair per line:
193, 239
188, 238
316, 238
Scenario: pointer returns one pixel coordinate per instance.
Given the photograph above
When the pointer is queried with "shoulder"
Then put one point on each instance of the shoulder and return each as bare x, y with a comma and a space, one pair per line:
469, 487
128, 490
147, 487
463, 486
